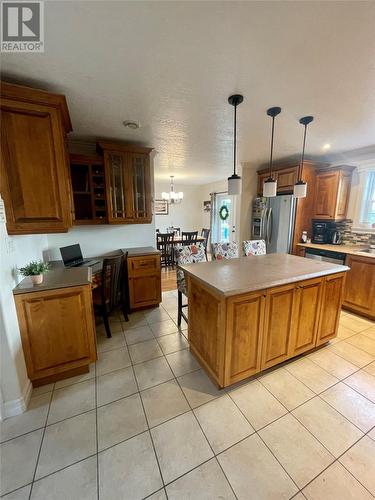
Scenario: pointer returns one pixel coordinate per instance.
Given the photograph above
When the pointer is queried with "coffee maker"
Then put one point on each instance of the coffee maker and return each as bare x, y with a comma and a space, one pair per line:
320, 232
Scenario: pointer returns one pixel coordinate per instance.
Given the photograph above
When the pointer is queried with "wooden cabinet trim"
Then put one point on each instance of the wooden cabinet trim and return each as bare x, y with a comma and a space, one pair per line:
359, 293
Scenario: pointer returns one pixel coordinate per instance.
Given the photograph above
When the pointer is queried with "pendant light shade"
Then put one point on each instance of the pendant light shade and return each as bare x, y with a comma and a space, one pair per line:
234, 181
300, 187
173, 197
270, 184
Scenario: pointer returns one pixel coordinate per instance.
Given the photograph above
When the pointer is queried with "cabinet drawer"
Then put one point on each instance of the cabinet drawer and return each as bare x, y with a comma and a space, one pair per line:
138, 266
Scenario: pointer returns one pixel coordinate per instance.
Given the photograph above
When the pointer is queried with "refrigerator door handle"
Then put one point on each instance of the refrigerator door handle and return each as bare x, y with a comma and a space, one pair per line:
269, 226
263, 234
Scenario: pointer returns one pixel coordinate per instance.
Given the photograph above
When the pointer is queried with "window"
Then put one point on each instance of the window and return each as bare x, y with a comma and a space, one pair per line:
367, 216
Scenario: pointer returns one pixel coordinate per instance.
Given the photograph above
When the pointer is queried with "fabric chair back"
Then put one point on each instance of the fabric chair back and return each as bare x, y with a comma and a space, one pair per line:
188, 254
189, 237
111, 286
254, 247
224, 251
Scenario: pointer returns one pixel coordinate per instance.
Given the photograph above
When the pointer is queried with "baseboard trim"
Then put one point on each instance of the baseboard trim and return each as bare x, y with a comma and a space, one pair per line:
17, 406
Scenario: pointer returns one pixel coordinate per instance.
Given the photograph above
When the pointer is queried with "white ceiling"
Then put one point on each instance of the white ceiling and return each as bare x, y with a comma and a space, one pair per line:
172, 66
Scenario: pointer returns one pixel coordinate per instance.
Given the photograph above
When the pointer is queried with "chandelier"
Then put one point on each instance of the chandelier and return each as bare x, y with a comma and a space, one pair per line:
173, 196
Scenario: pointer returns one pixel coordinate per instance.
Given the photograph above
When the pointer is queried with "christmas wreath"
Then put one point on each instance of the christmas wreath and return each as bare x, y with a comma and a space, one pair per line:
224, 212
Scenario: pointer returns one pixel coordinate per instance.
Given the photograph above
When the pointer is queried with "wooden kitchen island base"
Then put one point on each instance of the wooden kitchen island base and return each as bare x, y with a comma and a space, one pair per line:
235, 335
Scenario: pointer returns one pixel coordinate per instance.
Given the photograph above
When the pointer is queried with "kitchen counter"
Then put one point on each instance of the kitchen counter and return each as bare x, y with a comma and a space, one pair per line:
140, 251
57, 277
247, 274
251, 313
347, 249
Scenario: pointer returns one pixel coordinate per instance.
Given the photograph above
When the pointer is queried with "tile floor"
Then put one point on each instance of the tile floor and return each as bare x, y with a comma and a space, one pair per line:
146, 422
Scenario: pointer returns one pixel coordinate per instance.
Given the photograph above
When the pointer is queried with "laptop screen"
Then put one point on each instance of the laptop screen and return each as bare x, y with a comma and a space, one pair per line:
71, 254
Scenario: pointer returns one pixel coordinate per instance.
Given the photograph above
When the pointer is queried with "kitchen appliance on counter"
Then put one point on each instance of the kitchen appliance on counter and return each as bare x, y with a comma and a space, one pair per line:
325, 255
273, 221
320, 232
335, 237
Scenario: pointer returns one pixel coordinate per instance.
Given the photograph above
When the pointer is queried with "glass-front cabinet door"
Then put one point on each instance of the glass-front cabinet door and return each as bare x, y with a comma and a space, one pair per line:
140, 172
116, 192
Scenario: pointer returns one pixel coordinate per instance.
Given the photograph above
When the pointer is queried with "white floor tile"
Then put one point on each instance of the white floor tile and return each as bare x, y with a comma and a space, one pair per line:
72, 400
78, 378
258, 405
129, 470
198, 388
172, 343
312, 375
351, 353
18, 461
75, 482
360, 461
139, 334
20, 494
163, 402
223, 423
120, 420
296, 449
164, 328
364, 383
115, 385
182, 362
152, 372
336, 483
180, 446
333, 430
254, 473
112, 360
332, 363
67, 442
203, 483
144, 351
34, 418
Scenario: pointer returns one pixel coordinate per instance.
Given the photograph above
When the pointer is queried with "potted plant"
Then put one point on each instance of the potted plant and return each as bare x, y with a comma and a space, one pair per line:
36, 270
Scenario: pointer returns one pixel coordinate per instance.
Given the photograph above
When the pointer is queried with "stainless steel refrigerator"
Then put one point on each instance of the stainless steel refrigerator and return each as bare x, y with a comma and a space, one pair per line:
274, 222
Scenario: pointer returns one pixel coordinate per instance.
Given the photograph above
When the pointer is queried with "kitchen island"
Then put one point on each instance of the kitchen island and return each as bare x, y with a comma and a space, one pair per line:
251, 313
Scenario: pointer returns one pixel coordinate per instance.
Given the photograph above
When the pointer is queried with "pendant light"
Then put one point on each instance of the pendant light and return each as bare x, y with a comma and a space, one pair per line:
300, 187
270, 184
173, 197
234, 181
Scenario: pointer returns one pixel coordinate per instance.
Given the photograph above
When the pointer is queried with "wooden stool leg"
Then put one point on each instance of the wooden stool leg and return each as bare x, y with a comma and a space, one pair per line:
179, 316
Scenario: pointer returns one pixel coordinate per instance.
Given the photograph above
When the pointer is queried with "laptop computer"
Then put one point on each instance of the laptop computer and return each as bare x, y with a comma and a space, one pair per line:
72, 257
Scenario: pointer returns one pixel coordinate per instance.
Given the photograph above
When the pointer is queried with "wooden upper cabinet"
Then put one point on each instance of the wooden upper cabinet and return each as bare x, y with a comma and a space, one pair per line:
34, 162
359, 295
128, 182
332, 193
286, 178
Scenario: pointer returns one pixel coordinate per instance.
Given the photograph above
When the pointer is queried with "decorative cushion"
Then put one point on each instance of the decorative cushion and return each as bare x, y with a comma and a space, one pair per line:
188, 254
222, 251
254, 247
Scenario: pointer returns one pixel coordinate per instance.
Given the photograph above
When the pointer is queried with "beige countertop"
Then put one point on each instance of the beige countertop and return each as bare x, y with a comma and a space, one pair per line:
247, 274
58, 277
347, 249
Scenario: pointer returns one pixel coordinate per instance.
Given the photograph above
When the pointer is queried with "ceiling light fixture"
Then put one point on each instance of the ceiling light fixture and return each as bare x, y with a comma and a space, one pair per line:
300, 187
131, 124
326, 147
270, 184
234, 181
172, 197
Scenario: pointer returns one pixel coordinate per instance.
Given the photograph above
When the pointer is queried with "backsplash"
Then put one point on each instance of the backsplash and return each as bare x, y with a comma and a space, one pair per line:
350, 237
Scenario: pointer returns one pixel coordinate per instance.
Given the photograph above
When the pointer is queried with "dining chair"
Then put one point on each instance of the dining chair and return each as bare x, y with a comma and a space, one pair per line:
254, 247
109, 295
187, 254
165, 245
189, 237
224, 251
206, 234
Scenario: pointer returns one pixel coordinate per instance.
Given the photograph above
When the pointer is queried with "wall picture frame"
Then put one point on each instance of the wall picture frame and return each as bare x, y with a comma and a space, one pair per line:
161, 207
207, 206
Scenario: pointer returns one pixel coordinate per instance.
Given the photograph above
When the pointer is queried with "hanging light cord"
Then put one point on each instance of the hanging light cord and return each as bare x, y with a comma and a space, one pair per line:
235, 140
271, 155
303, 153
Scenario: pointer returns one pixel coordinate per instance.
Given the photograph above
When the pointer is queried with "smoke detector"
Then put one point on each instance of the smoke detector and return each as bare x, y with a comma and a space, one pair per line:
133, 125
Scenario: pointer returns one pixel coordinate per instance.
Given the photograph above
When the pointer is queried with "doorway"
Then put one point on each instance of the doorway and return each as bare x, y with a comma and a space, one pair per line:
223, 218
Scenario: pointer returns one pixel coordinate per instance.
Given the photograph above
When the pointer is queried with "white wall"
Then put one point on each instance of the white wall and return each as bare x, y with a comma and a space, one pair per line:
15, 251
98, 240
187, 215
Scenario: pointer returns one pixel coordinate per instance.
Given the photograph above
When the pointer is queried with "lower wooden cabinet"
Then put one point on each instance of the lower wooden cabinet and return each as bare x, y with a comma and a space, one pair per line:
57, 332
144, 281
359, 295
279, 325
238, 336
